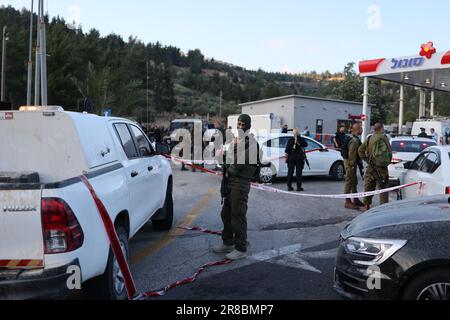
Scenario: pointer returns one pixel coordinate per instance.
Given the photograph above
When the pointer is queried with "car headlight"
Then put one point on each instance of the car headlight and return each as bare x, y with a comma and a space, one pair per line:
372, 252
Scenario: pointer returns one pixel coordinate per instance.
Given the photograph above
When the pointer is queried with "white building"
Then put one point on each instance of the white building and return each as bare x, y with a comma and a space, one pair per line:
322, 116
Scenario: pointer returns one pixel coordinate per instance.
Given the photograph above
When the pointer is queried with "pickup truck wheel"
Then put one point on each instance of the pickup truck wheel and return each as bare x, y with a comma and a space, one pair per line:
110, 285
167, 222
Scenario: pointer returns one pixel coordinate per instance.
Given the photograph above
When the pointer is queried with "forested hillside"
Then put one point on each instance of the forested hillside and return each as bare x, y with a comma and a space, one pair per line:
112, 72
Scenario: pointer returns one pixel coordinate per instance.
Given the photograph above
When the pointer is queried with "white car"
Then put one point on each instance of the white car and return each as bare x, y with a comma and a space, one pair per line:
49, 222
323, 161
432, 168
406, 149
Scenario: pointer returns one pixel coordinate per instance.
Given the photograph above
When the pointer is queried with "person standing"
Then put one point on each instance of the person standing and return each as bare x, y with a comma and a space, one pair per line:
295, 157
285, 129
238, 175
339, 138
423, 133
377, 152
434, 135
351, 162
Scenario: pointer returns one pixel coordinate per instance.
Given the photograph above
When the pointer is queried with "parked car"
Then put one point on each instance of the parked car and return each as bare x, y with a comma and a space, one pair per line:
398, 251
432, 168
50, 222
323, 161
406, 149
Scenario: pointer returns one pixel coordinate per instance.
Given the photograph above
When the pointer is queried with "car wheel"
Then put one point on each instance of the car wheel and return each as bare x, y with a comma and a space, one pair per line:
338, 171
110, 285
432, 285
167, 222
267, 174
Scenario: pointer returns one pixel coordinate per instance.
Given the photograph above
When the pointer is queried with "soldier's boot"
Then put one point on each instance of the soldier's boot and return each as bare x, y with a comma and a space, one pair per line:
349, 205
358, 203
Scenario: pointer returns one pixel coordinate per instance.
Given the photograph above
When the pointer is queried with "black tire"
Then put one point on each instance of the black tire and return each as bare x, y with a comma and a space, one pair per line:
103, 287
267, 174
167, 211
417, 287
338, 171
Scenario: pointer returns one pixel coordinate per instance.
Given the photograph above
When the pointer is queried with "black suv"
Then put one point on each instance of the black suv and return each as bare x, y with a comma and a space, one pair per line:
399, 251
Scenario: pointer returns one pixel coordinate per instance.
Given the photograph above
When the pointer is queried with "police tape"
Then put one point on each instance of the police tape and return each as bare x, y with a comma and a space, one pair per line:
190, 280
122, 261
336, 196
266, 188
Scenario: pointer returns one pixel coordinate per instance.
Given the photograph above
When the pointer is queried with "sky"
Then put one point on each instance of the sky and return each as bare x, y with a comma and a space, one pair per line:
275, 35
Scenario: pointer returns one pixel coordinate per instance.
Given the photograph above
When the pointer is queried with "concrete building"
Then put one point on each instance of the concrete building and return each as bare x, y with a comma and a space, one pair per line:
322, 116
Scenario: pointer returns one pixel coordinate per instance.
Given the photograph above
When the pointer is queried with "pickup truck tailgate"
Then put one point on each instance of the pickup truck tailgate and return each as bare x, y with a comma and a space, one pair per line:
21, 238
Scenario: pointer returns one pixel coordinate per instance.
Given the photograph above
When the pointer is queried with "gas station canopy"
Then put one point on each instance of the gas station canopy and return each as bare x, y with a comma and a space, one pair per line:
428, 70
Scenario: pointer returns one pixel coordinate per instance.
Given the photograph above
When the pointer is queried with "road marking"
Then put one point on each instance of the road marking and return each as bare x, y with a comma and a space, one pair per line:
270, 254
291, 256
175, 232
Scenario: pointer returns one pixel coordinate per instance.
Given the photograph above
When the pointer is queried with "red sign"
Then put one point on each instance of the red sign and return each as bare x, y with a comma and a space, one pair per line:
357, 117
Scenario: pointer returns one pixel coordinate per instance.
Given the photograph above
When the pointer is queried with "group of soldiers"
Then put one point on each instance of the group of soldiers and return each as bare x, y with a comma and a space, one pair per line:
376, 173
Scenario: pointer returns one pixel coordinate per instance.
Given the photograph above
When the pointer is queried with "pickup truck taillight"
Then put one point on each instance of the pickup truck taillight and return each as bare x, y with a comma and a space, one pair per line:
62, 231
447, 190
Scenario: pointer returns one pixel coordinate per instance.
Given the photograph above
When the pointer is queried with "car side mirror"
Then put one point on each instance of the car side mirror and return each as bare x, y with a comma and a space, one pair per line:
145, 152
162, 148
408, 165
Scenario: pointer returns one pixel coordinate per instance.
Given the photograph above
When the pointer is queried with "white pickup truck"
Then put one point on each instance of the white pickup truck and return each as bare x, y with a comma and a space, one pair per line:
49, 222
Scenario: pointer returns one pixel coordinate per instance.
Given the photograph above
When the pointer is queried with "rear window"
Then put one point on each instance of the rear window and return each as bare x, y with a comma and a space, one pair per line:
411, 146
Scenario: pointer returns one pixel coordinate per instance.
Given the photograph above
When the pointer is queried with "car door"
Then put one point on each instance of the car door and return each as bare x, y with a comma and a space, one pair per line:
317, 161
134, 171
149, 197
282, 144
412, 175
274, 153
431, 184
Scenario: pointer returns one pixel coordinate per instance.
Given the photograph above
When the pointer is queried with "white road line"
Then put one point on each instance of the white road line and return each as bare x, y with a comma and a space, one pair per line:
291, 256
270, 254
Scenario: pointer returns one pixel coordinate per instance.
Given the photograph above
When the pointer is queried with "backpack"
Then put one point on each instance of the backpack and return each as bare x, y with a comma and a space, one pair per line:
381, 155
345, 147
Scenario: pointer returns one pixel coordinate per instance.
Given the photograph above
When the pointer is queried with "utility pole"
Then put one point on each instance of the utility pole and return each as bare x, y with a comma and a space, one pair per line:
147, 95
220, 104
30, 57
43, 57
5, 39
37, 78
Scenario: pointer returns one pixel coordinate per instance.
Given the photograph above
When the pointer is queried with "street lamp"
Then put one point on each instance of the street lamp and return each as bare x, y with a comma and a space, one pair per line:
5, 39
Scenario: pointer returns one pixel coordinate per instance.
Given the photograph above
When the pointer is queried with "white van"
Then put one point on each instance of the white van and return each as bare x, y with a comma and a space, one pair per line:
440, 125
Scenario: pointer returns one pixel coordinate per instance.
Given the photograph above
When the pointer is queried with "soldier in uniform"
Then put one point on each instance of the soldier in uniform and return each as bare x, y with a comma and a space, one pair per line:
351, 162
235, 190
375, 175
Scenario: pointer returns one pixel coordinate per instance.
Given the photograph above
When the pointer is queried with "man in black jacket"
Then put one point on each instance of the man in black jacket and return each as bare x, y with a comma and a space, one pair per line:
295, 157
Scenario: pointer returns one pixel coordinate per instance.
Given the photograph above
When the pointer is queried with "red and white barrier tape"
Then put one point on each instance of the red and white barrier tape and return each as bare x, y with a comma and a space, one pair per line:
202, 230
163, 292
113, 240
334, 196
262, 187
123, 264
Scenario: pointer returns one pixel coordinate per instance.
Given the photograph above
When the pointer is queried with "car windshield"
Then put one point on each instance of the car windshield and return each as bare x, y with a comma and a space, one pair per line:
181, 125
411, 146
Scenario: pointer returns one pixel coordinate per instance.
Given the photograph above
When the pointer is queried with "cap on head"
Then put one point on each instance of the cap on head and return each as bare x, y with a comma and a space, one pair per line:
245, 118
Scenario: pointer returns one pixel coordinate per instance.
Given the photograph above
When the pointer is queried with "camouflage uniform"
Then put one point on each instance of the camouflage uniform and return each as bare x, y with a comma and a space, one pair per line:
351, 166
375, 175
240, 176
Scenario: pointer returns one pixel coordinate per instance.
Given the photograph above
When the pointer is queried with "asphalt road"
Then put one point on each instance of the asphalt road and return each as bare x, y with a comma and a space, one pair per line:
293, 243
